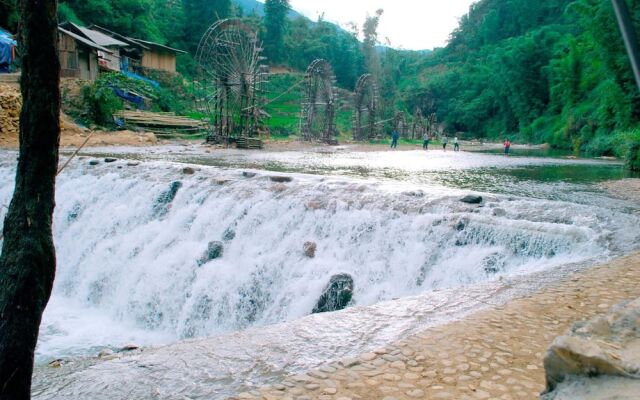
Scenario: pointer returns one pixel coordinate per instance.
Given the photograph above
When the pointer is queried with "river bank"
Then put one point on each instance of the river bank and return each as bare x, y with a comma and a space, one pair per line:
493, 354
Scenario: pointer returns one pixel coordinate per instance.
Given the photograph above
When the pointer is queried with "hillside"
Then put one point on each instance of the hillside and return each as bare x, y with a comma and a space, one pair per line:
551, 71
254, 7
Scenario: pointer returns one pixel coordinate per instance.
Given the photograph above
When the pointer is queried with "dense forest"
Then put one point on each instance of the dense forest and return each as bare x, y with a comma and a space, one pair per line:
549, 71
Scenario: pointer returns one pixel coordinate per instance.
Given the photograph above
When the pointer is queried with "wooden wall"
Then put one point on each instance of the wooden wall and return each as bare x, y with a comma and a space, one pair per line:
76, 60
164, 61
68, 54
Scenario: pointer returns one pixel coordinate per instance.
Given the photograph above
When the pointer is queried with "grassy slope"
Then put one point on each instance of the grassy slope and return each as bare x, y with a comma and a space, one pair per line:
284, 107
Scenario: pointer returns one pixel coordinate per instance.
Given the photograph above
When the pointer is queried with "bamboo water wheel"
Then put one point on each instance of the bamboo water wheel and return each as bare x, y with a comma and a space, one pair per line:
400, 124
319, 103
365, 109
420, 125
230, 80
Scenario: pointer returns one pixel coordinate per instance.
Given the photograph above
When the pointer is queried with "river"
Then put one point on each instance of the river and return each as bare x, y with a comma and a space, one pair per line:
130, 236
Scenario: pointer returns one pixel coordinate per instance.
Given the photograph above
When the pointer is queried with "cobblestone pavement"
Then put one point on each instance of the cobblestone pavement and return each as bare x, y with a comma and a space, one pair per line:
494, 354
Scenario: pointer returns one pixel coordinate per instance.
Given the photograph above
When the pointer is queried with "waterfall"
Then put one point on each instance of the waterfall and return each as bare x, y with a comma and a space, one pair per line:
132, 241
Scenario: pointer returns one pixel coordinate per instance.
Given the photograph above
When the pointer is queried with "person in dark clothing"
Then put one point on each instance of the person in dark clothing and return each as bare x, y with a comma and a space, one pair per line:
456, 145
394, 139
425, 141
445, 142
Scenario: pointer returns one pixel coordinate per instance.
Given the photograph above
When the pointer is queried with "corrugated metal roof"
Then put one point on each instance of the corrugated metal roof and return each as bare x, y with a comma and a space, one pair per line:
153, 44
85, 41
101, 39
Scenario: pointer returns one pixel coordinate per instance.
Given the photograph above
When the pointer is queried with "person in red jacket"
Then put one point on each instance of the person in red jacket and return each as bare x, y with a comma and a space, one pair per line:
507, 146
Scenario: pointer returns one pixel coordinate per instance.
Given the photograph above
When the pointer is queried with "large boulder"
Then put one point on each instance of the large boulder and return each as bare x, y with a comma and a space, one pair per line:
337, 295
471, 199
594, 352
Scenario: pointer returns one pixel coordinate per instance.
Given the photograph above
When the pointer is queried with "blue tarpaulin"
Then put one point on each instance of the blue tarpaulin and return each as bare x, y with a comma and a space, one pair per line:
6, 50
137, 100
140, 78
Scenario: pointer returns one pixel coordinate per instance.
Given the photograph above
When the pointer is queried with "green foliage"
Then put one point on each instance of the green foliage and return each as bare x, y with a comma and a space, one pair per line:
274, 25
66, 13
200, 15
100, 104
306, 41
9, 15
552, 71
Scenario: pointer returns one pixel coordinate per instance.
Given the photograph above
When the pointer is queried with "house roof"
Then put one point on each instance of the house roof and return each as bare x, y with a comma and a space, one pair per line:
145, 44
84, 40
122, 38
159, 46
98, 36
101, 39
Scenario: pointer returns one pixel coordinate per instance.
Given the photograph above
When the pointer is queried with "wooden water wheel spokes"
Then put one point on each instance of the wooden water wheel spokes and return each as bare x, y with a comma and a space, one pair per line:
230, 79
365, 109
319, 103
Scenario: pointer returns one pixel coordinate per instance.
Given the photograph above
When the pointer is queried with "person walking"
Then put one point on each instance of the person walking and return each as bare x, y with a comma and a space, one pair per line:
456, 145
425, 141
507, 147
394, 139
445, 142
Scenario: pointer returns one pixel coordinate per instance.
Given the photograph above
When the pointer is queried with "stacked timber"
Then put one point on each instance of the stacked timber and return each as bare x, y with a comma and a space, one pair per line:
248, 143
162, 123
10, 106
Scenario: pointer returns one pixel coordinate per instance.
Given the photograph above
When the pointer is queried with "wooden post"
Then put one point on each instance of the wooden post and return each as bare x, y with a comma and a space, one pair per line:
629, 36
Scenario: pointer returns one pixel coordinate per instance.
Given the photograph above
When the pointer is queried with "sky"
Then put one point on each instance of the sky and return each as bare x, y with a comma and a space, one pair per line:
408, 24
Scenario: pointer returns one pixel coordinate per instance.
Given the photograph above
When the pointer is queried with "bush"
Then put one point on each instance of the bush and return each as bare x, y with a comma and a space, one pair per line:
100, 104
632, 155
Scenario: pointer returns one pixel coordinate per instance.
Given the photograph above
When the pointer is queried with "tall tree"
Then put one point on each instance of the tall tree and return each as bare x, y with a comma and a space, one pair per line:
275, 18
28, 262
370, 41
200, 15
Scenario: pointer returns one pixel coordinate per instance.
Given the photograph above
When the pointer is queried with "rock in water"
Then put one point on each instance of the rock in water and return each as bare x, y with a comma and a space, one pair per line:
471, 199
188, 171
309, 249
110, 159
94, 162
280, 179
249, 174
162, 203
105, 353
337, 295
229, 235
214, 251
607, 347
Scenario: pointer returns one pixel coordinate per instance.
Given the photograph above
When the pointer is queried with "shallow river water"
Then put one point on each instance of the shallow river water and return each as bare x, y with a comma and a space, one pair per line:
129, 239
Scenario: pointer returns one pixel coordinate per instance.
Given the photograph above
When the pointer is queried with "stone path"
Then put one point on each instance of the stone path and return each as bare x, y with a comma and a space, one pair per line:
494, 354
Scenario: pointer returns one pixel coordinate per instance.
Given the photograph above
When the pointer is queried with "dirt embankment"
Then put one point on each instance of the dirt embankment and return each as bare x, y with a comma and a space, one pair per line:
72, 135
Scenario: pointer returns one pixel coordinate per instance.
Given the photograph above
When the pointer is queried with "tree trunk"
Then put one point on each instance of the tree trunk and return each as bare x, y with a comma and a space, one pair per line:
27, 262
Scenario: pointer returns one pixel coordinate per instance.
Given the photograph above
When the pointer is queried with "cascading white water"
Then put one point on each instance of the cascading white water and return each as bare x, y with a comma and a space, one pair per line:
129, 242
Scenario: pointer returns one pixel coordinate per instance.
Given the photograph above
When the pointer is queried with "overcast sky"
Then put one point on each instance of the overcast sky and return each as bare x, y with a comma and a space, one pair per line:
410, 24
